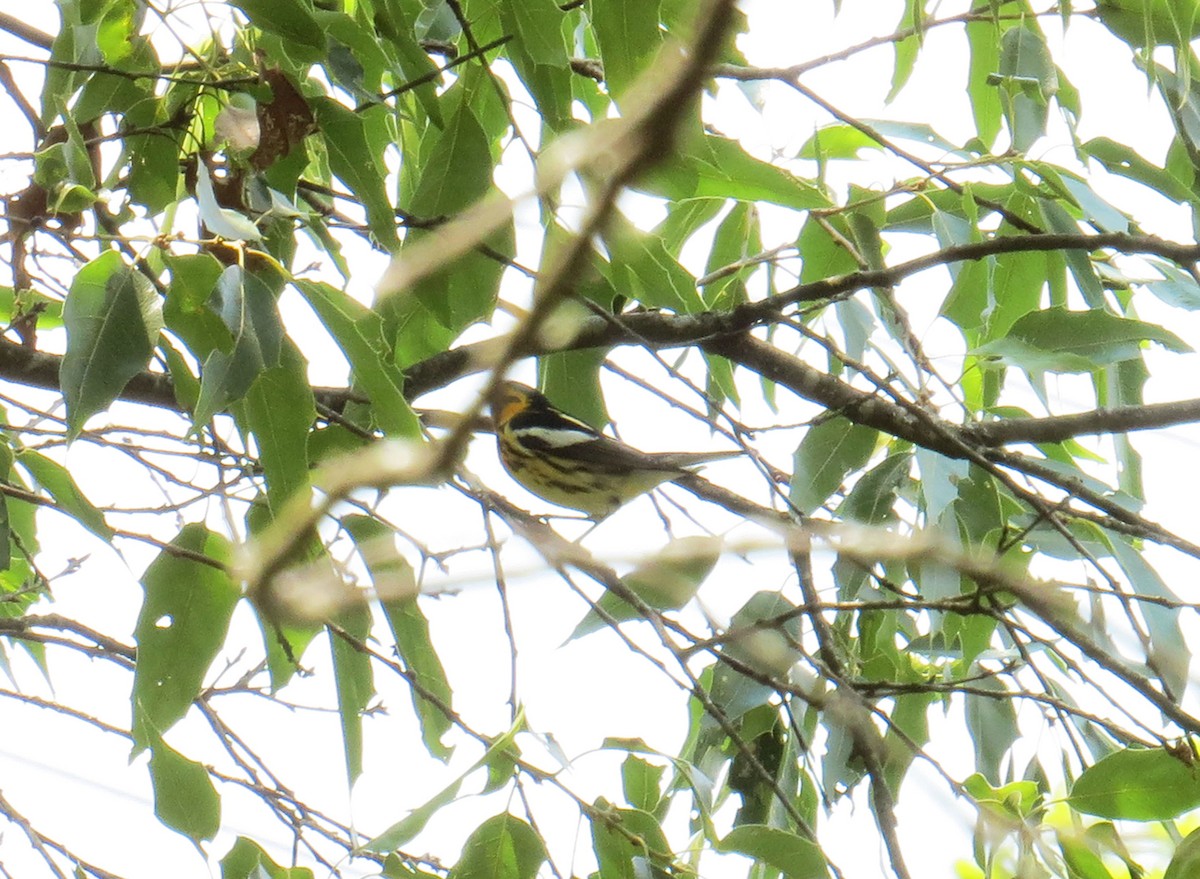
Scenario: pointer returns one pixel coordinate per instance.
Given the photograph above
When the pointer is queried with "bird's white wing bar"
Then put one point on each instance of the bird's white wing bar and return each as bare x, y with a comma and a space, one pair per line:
555, 438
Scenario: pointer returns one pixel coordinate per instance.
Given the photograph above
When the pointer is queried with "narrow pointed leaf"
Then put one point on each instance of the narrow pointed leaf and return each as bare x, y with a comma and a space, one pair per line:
57, 481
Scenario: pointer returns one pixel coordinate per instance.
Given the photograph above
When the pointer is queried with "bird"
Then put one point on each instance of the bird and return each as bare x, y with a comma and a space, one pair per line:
570, 463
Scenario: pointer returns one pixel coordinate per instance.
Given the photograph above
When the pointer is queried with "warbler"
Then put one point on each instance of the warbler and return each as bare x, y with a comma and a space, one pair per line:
568, 462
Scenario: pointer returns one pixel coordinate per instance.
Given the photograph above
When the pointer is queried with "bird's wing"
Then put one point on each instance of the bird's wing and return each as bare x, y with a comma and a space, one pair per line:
577, 441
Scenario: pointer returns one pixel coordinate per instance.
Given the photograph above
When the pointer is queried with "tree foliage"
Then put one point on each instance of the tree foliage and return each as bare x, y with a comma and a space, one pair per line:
945, 570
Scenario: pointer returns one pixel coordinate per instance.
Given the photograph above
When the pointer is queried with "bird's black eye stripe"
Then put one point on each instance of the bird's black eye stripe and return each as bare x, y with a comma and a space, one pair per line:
533, 419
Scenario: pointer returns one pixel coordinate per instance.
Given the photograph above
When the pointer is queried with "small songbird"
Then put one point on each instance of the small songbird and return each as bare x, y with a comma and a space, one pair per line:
568, 462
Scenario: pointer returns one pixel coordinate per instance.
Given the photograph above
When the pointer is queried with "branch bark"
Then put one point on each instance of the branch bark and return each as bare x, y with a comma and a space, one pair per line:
725, 333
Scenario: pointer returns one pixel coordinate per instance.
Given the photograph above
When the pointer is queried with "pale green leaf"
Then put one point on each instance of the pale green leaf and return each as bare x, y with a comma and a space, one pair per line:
181, 627
112, 318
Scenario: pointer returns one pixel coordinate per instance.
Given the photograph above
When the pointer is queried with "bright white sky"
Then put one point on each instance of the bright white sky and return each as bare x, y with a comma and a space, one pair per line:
74, 782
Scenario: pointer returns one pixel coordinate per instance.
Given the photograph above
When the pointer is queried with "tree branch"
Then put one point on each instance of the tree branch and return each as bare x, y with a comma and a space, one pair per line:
26, 32
722, 332
1056, 428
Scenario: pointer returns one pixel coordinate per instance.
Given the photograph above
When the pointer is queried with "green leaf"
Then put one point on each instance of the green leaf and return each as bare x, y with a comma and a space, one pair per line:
246, 305
712, 166
738, 238
1185, 863
359, 332
539, 54
906, 49
291, 19
415, 332
20, 302
1018, 353
397, 867
65, 172
77, 43
792, 855
283, 643
667, 581
550, 86
184, 382
1151, 22
874, 495
395, 27
983, 39
16, 605
1117, 158
838, 141
354, 159
112, 320
629, 37
404, 830
187, 311
18, 526
1017, 799
181, 627
755, 639
572, 380
154, 168
502, 847
184, 797
908, 730
1169, 655
247, 860
641, 782
537, 25
1080, 858
355, 684
1179, 94
843, 141
1177, 288
357, 57
457, 171
1137, 785
1028, 79
57, 481
395, 585
989, 296
992, 722
281, 431
639, 851
458, 166
410, 629
684, 219
642, 269
829, 451
1077, 341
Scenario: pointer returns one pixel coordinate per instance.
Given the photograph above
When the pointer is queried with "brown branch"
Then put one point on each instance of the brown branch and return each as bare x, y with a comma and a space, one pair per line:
60, 623
26, 32
434, 75
1122, 242
661, 330
832, 393
78, 67
1056, 428
757, 74
923, 429
40, 370
18, 98
723, 333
